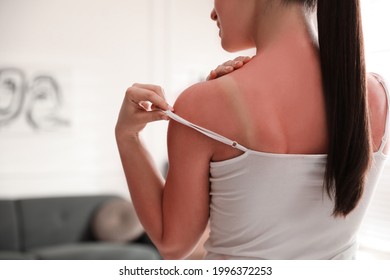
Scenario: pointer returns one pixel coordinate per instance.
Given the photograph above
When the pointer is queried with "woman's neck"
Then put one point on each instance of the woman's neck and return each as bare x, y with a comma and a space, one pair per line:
283, 26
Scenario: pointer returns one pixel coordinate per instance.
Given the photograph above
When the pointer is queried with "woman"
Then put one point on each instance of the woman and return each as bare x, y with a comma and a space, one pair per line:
307, 125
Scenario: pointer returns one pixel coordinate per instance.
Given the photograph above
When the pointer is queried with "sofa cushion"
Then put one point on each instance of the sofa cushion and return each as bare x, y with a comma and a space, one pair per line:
9, 231
97, 251
58, 220
12, 255
116, 221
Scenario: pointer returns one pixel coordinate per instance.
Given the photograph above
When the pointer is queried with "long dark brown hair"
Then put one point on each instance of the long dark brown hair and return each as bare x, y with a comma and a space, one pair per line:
344, 84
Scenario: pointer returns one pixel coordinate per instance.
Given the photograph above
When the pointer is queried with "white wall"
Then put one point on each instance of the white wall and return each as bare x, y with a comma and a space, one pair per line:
95, 49
91, 47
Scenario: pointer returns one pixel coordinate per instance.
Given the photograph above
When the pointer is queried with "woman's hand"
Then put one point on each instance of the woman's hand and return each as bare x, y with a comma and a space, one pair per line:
228, 67
142, 104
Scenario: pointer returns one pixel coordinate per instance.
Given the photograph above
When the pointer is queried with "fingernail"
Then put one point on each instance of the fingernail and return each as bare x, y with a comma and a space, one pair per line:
170, 108
229, 68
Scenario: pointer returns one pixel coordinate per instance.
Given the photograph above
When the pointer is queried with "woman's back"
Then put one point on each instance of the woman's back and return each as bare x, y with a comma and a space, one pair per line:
271, 105
278, 103
269, 201
299, 169
273, 206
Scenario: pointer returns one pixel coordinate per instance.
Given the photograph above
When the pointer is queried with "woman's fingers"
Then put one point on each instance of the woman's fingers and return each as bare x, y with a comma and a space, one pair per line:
142, 104
228, 67
237, 62
244, 59
147, 96
212, 75
221, 70
155, 88
151, 116
146, 105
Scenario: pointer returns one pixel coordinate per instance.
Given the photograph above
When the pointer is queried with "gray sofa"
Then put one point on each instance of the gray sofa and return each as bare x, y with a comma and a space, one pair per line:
64, 228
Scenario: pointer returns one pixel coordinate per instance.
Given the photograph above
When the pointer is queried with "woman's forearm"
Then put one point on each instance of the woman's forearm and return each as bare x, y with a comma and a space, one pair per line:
145, 184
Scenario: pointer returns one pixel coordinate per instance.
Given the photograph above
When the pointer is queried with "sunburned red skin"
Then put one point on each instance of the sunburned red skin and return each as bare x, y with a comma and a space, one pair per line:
266, 106
274, 104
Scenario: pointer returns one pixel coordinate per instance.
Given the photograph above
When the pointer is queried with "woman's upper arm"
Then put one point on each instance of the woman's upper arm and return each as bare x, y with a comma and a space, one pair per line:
186, 192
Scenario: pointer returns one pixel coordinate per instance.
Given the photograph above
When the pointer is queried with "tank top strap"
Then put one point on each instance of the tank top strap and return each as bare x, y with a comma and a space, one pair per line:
205, 131
387, 125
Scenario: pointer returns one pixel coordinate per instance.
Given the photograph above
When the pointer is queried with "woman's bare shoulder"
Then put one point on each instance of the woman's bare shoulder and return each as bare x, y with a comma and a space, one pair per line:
202, 101
377, 101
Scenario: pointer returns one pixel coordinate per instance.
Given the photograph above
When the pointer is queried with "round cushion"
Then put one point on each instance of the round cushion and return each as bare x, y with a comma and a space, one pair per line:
116, 221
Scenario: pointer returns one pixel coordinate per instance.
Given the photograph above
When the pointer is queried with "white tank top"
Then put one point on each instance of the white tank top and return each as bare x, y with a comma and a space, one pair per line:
273, 206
